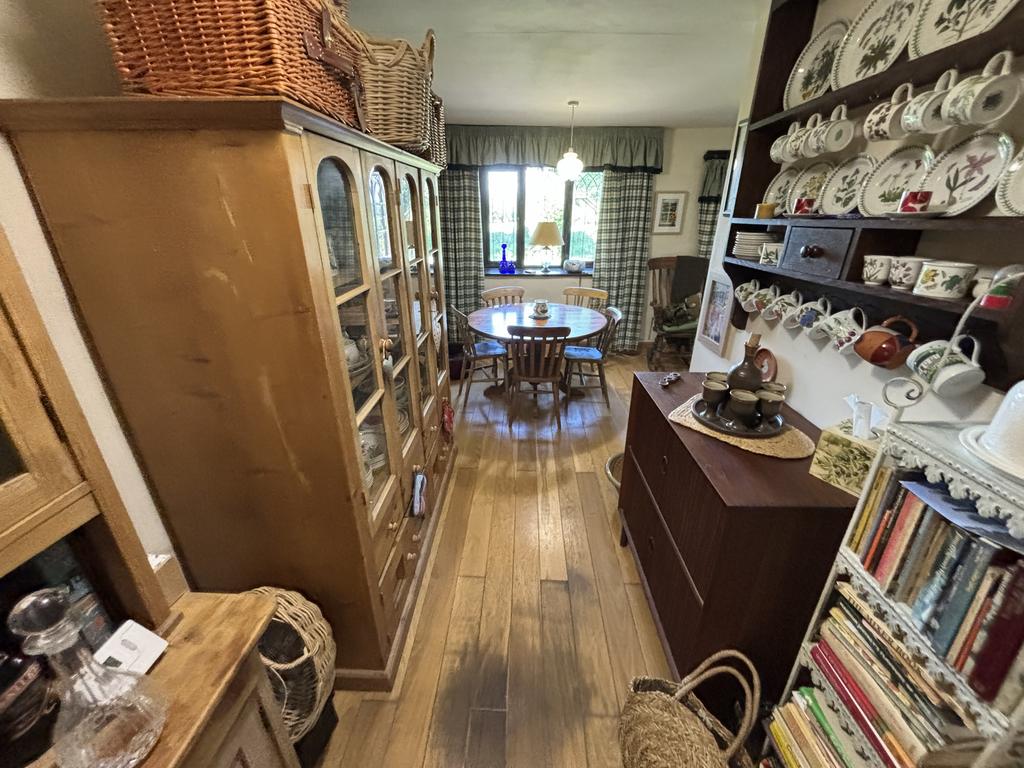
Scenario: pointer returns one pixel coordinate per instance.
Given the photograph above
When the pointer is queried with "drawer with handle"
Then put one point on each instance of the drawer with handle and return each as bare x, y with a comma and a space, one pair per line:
817, 250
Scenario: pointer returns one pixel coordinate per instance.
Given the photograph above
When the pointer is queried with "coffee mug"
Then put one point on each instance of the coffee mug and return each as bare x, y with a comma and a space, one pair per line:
833, 135
769, 403
776, 387
915, 201
876, 269
744, 291
770, 253
783, 305
844, 328
883, 122
810, 316
950, 374
762, 298
795, 143
777, 151
924, 112
904, 271
984, 98
540, 307
805, 206
743, 404
714, 391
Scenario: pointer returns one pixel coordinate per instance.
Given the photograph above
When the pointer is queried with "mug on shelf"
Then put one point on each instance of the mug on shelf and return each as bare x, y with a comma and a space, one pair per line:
924, 112
886, 347
833, 135
805, 206
762, 298
765, 210
844, 328
915, 201
876, 269
982, 99
795, 143
770, 253
883, 122
783, 305
945, 279
744, 291
777, 151
811, 316
950, 376
904, 271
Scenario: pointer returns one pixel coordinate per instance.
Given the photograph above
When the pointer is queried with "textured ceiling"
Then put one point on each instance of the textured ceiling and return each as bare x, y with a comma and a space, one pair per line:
645, 62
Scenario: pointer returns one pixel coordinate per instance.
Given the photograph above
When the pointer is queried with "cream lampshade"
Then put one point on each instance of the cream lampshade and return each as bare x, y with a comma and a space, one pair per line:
547, 235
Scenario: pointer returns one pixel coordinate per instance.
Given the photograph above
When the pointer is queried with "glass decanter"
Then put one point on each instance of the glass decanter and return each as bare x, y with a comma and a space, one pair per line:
107, 718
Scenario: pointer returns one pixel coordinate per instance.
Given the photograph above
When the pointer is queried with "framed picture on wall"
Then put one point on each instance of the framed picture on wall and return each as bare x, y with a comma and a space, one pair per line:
669, 208
732, 185
715, 312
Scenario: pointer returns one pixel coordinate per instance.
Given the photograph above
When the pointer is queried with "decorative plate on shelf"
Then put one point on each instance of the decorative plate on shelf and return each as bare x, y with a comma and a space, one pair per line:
810, 77
809, 183
1010, 192
874, 41
779, 187
842, 187
900, 170
966, 173
941, 23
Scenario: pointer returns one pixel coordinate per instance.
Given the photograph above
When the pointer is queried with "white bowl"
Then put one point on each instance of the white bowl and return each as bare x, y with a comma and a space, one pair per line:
945, 279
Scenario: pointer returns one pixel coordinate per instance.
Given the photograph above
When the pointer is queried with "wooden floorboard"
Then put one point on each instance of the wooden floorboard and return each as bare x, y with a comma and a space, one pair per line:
531, 620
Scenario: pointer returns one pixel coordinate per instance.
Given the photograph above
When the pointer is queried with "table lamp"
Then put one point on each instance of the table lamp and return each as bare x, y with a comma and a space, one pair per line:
547, 235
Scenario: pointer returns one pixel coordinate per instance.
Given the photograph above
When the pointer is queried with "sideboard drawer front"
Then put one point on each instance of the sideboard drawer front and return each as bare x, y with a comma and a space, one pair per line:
693, 516
817, 251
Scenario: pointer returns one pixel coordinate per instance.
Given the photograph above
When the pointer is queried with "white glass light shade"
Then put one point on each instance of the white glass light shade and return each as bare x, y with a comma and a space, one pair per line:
570, 166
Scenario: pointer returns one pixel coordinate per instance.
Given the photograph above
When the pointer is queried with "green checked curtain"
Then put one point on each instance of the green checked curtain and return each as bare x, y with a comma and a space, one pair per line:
462, 234
623, 237
716, 166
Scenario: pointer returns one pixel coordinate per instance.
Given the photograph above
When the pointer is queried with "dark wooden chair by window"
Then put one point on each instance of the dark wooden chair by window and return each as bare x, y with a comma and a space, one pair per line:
502, 295
677, 284
535, 357
477, 355
594, 358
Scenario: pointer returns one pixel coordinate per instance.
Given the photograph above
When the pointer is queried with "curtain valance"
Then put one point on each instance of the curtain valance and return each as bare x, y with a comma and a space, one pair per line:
621, 149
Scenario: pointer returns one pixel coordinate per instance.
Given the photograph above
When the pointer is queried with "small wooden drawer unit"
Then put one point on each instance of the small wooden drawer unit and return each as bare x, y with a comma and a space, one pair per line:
820, 251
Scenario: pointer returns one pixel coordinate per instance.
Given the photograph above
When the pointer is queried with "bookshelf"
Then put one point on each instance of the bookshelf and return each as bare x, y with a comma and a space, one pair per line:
934, 450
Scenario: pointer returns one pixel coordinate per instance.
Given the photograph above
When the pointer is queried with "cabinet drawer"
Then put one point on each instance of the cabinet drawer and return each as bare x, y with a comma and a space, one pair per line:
250, 743
817, 251
387, 531
399, 571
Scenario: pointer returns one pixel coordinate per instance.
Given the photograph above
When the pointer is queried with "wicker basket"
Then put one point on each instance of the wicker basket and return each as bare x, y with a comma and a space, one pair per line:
438, 134
664, 725
298, 651
301, 49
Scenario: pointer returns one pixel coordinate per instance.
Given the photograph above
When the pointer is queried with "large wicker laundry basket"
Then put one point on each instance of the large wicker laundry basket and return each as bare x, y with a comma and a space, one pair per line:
298, 651
664, 725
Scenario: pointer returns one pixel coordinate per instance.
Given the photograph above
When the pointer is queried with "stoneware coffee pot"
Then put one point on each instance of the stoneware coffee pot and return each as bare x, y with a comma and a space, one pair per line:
886, 347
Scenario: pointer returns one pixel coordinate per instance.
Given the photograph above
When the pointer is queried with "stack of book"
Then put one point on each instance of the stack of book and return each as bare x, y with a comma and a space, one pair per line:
906, 717
959, 574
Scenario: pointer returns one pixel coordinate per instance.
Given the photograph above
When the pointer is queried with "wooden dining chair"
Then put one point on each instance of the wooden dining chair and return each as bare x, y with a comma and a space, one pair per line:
477, 355
535, 357
502, 295
593, 357
591, 298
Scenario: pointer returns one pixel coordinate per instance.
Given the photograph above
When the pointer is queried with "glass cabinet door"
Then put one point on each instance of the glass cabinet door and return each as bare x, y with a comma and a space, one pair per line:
35, 467
352, 256
431, 228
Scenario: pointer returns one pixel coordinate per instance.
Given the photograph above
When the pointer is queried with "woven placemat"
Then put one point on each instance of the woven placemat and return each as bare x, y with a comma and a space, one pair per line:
790, 443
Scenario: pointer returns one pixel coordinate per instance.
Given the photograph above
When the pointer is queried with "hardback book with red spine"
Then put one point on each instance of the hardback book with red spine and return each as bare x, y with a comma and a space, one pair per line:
1004, 640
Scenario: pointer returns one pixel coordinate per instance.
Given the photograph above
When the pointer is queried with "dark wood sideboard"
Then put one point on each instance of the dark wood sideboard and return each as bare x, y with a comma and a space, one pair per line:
733, 547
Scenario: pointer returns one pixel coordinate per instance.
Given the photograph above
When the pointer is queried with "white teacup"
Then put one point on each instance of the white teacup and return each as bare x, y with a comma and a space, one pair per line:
811, 316
782, 305
833, 135
778, 152
883, 122
844, 328
795, 144
760, 300
540, 307
924, 112
876, 269
904, 271
770, 253
952, 375
984, 98
744, 291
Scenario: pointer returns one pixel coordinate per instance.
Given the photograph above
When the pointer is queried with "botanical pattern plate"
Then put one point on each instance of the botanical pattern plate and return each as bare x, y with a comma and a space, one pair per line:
941, 23
964, 174
874, 42
903, 169
809, 183
1010, 192
779, 188
810, 77
842, 187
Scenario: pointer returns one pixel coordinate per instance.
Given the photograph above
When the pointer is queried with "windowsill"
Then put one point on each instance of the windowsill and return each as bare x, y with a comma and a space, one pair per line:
536, 272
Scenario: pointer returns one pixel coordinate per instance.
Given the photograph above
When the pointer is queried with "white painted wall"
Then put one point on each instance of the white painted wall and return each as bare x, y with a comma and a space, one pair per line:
56, 48
819, 378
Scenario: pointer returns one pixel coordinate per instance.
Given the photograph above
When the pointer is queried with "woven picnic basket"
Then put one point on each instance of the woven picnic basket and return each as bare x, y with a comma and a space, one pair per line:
295, 48
664, 725
297, 649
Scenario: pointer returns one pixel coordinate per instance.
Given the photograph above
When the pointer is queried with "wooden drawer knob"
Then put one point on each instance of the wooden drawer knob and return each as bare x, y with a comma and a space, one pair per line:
664, 465
811, 252
393, 525
412, 556
416, 538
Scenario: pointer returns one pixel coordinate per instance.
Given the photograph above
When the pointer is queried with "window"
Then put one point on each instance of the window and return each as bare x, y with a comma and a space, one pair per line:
515, 200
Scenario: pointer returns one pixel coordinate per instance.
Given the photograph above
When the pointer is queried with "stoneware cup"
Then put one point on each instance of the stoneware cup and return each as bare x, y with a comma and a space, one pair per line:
883, 122
924, 112
721, 376
744, 291
984, 98
783, 305
777, 151
743, 404
845, 327
769, 403
903, 272
950, 376
776, 387
876, 269
714, 391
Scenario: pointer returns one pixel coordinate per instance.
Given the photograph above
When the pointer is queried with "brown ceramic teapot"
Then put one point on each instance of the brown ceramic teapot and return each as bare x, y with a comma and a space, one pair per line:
886, 347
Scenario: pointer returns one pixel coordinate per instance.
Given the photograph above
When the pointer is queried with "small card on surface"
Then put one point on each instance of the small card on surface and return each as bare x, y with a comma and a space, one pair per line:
132, 648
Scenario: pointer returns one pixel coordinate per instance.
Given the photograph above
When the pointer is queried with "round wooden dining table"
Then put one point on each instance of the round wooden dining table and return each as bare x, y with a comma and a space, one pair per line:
494, 322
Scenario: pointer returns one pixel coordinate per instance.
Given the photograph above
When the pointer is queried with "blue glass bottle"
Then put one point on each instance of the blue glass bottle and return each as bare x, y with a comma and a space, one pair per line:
506, 267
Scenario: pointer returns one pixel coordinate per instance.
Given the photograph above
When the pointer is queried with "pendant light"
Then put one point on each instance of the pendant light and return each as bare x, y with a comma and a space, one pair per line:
570, 166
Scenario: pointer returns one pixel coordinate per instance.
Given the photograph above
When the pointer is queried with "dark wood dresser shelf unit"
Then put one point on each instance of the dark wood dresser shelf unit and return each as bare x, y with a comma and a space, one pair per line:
838, 246
733, 547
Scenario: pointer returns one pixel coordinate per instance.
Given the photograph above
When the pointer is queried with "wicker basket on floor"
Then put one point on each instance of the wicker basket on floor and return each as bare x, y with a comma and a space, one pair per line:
298, 651
664, 725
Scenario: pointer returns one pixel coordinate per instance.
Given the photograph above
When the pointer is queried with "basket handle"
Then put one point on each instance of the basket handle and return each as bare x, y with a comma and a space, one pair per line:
428, 49
318, 48
752, 691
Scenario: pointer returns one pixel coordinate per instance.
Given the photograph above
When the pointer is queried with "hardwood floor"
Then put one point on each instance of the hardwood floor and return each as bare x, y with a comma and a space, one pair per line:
532, 620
